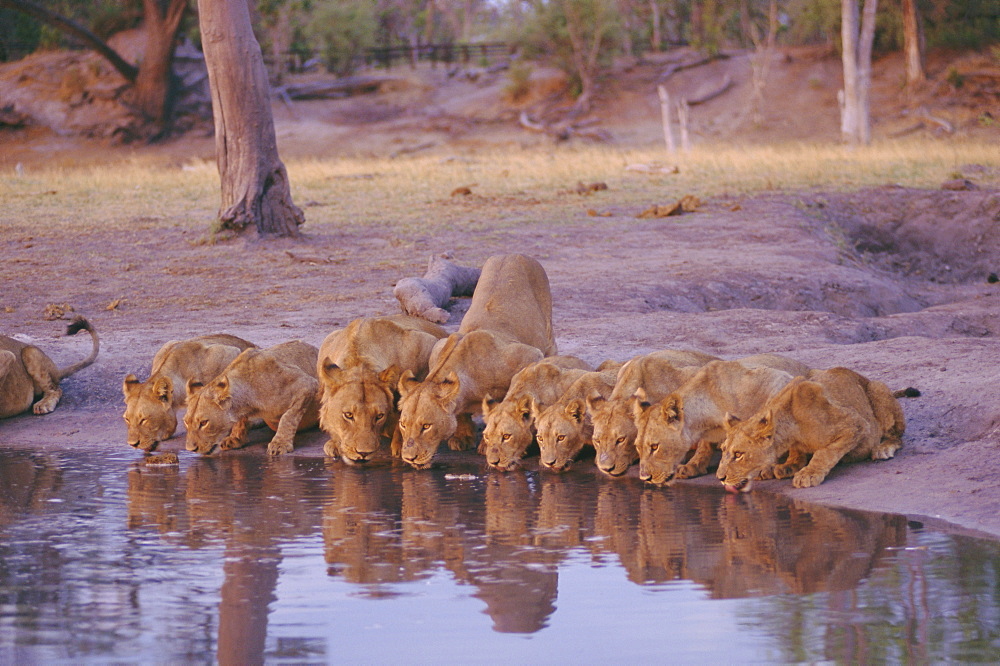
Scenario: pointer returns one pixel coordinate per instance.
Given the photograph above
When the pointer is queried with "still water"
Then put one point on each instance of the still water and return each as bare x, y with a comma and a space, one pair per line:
242, 559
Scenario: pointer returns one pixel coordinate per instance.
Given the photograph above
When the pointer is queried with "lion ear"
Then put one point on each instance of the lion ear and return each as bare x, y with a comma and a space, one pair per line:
640, 402
730, 422
524, 407
595, 401
765, 425
673, 409
575, 409
163, 389
193, 388
130, 386
407, 383
534, 408
222, 392
447, 390
331, 373
390, 376
489, 403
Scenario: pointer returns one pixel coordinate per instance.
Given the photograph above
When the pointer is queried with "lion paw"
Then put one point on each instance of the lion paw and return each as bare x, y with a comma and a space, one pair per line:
230, 443
276, 448
331, 448
886, 450
687, 471
807, 479
460, 443
783, 471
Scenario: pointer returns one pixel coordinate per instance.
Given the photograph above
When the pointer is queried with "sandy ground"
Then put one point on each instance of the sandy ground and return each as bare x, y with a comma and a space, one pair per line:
891, 282
765, 274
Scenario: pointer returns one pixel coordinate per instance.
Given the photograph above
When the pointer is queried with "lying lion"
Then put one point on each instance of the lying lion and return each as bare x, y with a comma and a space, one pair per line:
564, 427
816, 421
691, 418
151, 406
613, 419
359, 368
510, 425
277, 384
508, 326
28, 376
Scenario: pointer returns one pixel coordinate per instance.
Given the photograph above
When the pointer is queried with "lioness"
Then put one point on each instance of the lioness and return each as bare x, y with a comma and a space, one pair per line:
564, 427
359, 367
277, 384
509, 423
508, 326
817, 420
691, 418
151, 406
658, 373
27, 375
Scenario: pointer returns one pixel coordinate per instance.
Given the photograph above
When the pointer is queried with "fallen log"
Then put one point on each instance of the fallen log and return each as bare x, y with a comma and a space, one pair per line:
726, 84
426, 296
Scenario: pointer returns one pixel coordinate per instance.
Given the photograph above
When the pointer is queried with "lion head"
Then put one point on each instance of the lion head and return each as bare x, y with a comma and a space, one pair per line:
149, 411
659, 437
614, 434
508, 431
562, 432
356, 409
427, 416
748, 450
209, 419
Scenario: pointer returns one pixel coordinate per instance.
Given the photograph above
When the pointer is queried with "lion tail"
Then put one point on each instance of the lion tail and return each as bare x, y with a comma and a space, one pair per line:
80, 323
908, 392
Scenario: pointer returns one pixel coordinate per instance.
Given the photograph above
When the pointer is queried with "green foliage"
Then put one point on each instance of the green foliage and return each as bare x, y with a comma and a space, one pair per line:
19, 34
341, 29
955, 78
962, 24
518, 82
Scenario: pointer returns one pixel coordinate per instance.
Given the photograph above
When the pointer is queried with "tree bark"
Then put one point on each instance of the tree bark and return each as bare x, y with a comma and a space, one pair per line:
255, 188
855, 120
153, 83
657, 38
913, 44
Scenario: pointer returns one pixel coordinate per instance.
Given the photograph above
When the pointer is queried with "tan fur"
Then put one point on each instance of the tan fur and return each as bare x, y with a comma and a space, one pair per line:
508, 326
151, 406
30, 380
277, 384
359, 367
691, 418
510, 426
817, 421
564, 427
658, 374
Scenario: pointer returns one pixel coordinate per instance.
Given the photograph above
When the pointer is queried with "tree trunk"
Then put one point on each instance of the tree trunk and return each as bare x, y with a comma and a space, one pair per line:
255, 188
913, 44
855, 120
657, 38
153, 84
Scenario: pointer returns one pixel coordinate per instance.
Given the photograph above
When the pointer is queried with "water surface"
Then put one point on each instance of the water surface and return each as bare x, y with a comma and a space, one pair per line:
244, 559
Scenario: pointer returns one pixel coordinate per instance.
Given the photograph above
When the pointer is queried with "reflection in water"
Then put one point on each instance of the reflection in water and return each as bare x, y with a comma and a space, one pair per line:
248, 559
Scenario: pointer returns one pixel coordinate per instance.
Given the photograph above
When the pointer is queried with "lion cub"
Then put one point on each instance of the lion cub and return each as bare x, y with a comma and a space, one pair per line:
691, 418
359, 367
564, 427
510, 423
658, 374
27, 375
151, 406
817, 420
508, 326
277, 384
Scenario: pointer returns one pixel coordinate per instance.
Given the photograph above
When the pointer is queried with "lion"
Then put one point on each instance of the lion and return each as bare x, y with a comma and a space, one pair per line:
151, 406
277, 384
691, 418
510, 424
359, 368
29, 379
564, 427
507, 327
658, 373
815, 421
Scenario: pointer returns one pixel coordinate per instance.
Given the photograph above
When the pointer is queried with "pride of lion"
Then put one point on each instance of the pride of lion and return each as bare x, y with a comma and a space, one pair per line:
405, 385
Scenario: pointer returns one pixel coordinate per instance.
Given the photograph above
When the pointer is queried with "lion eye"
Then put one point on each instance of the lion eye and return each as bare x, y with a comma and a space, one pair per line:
505, 436
653, 446
401, 425
620, 440
203, 424
379, 417
737, 455
426, 426
561, 438
349, 416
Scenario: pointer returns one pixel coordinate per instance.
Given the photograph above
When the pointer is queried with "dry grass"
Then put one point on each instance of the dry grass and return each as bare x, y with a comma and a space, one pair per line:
414, 194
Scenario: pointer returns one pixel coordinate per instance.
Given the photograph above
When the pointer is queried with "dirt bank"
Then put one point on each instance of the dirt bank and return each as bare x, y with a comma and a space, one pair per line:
874, 281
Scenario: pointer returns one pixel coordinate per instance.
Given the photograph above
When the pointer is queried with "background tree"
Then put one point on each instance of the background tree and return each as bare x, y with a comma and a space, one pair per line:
913, 43
857, 40
255, 189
